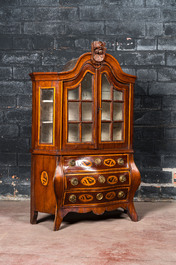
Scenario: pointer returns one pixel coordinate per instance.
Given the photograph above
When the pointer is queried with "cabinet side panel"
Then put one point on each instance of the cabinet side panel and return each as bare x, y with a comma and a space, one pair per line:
33, 114
131, 110
43, 198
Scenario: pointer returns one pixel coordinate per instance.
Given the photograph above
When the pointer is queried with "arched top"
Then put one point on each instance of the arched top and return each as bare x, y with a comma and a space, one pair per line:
97, 58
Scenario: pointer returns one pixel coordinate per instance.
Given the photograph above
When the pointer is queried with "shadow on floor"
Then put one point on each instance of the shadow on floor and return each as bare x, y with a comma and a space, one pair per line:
73, 218
142, 208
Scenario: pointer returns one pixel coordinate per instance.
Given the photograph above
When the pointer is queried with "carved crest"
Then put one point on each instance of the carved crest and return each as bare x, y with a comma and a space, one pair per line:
98, 52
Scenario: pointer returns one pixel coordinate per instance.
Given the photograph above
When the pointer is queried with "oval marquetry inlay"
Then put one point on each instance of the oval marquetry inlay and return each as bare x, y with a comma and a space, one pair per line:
85, 197
109, 162
86, 163
88, 181
110, 195
112, 180
44, 178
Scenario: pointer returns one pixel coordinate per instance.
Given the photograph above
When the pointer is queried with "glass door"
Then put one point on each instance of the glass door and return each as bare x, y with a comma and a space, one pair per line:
112, 113
80, 114
46, 116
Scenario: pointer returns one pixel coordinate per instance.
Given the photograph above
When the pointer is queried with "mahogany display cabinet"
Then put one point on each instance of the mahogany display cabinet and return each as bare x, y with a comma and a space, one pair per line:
82, 130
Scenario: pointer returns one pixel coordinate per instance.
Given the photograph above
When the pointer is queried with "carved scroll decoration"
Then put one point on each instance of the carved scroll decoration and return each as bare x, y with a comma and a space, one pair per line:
98, 52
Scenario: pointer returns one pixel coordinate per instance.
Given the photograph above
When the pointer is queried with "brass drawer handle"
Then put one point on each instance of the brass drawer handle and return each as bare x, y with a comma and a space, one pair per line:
121, 194
120, 161
97, 161
101, 179
74, 181
72, 198
72, 163
122, 178
99, 196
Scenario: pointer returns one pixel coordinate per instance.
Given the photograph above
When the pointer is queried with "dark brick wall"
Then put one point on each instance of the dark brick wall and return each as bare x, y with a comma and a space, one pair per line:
42, 35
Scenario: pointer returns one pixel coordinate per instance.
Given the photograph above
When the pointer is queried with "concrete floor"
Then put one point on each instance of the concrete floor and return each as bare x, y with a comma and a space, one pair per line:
87, 239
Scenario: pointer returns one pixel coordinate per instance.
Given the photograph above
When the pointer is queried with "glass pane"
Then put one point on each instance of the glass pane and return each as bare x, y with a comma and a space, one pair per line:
46, 111
46, 115
73, 132
73, 111
87, 87
106, 111
117, 111
47, 94
46, 133
86, 132
117, 131
117, 95
73, 93
86, 111
105, 132
106, 88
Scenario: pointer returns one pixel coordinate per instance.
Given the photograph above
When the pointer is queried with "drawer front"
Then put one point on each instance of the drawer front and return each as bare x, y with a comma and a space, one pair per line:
95, 163
84, 181
94, 197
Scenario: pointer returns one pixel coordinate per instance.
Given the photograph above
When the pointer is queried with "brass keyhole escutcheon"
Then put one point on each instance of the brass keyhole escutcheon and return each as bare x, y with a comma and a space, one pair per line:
97, 161
121, 194
99, 196
120, 161
72, 163
122, 178
74, 181
101, 179
72, 198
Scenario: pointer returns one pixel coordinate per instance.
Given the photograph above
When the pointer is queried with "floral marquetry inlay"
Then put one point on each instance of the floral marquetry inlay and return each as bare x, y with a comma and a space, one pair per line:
110, 195
86, 163
109, 162
44, 178
112, 180
85, 197
88, 181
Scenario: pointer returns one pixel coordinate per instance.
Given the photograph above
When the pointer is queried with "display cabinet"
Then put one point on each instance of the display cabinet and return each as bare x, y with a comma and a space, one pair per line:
82, 127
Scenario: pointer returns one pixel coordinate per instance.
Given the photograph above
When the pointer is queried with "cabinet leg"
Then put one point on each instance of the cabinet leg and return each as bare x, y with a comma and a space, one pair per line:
34, 215
132, 212
58, 220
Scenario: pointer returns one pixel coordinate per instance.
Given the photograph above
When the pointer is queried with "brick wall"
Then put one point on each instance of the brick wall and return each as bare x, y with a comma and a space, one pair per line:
42, 35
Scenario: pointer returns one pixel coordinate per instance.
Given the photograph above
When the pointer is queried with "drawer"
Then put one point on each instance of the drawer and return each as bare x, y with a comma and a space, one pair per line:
109, 179
94, 197
95, 163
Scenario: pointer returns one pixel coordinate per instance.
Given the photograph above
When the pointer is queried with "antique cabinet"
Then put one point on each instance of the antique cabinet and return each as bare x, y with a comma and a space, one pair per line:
82, 129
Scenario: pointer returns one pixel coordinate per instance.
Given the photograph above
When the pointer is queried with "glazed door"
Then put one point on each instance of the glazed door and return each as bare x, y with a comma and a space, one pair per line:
79, 123
113, 111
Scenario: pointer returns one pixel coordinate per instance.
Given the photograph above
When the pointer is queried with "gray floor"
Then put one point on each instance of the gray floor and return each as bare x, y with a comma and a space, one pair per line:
87, 239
